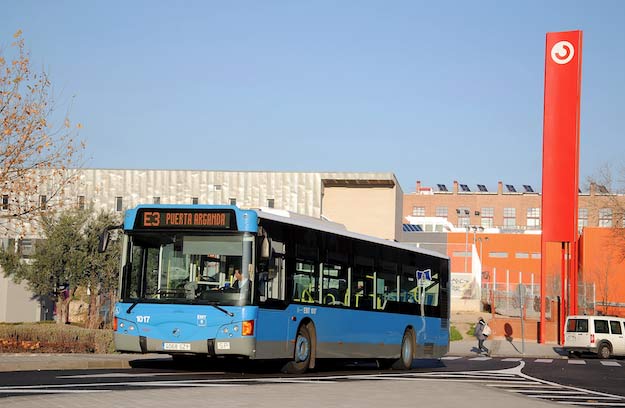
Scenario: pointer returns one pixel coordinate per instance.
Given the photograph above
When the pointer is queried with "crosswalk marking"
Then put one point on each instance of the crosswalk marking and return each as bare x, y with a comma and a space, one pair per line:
480, 358
577, 362
543, 360
611, 363
512, 359
451, 357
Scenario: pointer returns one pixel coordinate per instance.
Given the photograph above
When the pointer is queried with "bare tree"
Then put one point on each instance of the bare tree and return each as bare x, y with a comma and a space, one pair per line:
608, 203
35, 156
605, 276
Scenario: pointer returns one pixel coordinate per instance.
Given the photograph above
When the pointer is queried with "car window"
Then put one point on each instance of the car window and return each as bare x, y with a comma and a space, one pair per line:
601, 326
615, 327
577, 325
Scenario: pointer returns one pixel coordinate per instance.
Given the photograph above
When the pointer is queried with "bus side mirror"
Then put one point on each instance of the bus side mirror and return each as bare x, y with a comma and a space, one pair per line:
104, 240
105, 237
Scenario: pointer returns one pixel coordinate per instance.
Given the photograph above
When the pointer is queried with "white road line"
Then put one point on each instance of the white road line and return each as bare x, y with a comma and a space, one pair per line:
533, 385
22, 391
555, 392
137, 375
611, 363
577, 362
593, 404
451, 358
578, 396
544, 360
511, 359
480, 358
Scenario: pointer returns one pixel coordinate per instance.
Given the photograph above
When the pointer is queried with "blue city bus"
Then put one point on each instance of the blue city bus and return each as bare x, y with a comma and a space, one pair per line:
221, 281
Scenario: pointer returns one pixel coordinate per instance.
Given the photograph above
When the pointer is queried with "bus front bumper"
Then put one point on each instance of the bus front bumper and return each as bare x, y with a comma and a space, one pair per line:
241, 346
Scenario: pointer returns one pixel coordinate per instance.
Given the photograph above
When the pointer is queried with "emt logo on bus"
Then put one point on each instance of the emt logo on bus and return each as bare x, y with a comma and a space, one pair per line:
184, 219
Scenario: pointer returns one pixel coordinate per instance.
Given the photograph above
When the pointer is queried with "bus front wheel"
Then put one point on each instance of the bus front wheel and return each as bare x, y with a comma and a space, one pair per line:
302, 353
406, 354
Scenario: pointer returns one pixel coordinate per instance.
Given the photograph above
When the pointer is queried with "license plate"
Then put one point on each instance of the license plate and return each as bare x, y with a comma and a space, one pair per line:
177, 346
223, 345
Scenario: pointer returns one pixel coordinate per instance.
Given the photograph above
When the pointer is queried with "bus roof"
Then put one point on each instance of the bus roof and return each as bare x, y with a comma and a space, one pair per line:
283, 216
288, 217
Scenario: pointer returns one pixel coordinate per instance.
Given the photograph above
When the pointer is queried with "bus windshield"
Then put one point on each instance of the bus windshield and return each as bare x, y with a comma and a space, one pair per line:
188, 268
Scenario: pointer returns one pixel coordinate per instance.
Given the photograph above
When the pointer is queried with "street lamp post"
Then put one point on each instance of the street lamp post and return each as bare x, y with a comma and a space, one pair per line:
465, 223
466, 247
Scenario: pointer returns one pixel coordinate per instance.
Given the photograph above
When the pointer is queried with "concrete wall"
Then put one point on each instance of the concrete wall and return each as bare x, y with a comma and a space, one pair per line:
368, 210
17, 303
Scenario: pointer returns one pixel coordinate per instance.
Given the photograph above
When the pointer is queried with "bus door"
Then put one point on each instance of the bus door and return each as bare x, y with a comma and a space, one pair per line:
273, 325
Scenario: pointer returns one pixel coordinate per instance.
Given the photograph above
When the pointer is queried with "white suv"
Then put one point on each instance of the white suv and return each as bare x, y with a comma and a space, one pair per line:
603, 335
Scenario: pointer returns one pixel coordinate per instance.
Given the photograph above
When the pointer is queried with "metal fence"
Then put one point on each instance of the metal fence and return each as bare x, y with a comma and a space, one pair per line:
523, 300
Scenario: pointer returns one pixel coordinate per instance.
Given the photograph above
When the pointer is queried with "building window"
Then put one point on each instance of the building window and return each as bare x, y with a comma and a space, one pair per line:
509, 217
582, 218
442, 212
27, 247
522, 255
217, 187
270, 202
194, 200
119, 204
43, 202
418, 211
605, 217
464, 216
5, 202
156, 200
233, 201
533, 218
488, 217
497, 254
81, 202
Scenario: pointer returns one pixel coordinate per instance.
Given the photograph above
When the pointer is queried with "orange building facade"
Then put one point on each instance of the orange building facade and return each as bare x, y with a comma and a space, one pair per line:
495, 238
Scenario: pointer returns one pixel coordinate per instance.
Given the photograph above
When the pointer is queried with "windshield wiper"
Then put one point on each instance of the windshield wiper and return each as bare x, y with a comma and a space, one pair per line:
135, 303
221, 309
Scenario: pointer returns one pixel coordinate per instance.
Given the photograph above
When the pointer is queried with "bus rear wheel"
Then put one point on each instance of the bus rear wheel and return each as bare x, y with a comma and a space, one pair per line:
301, 354
406, 354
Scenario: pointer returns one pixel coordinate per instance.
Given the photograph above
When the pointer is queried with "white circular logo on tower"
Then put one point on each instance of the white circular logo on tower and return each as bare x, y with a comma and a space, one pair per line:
562, 52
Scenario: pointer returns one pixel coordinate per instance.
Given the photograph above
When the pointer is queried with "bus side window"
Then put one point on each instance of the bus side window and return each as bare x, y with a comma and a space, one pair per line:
334, 284
362, 282
272, 274
305, 282
362, 292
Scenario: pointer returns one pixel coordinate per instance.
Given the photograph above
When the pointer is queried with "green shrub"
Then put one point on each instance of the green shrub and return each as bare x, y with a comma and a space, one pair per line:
454, 334
471, 330
53, 338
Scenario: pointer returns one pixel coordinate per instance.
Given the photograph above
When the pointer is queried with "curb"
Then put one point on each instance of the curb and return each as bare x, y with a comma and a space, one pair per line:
34, 362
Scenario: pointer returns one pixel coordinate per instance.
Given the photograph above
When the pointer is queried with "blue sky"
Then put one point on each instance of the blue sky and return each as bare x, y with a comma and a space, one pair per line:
431, 91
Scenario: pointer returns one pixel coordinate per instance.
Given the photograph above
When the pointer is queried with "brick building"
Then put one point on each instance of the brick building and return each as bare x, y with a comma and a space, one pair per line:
509, 208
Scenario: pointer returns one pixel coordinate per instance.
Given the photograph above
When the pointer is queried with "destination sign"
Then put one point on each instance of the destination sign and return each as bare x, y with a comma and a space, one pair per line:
183, 219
